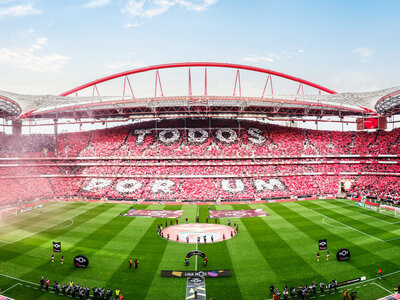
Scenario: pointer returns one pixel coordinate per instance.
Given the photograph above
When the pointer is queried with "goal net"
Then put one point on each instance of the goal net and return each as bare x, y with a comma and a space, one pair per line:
24, 212
390, 210
6, 213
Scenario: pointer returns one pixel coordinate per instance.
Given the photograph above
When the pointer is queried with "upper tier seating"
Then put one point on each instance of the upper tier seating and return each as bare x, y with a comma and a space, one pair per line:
255, 151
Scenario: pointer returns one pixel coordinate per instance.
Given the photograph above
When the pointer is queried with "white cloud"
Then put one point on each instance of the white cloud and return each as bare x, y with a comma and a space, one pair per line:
97, 3
198, 5
19, 10
300, 50
269, 57
365, 53
152, 8
28, 59
132, 25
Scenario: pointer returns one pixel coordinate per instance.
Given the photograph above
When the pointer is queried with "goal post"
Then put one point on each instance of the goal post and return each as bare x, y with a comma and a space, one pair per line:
36, 209
389, 210
8, 212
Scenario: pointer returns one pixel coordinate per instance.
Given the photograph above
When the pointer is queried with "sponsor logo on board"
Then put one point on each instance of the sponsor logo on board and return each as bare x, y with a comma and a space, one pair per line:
322, 244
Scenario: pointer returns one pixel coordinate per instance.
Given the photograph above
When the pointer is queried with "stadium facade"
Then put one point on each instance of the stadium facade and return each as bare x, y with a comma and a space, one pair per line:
200, 147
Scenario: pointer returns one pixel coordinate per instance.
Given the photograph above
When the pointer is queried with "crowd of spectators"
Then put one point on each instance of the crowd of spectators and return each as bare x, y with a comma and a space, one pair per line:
39, 144
382, 187
201, 160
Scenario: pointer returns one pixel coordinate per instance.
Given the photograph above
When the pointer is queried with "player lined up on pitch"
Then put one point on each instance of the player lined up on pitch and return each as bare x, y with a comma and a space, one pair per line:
302, 291
327, 256
200, 238
79, 291
136, 262
52, 257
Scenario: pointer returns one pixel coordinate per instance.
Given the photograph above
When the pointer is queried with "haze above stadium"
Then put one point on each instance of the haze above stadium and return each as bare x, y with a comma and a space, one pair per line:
48, 47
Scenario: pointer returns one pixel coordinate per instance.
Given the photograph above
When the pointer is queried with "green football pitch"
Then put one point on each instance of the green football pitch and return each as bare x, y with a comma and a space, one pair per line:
279, 249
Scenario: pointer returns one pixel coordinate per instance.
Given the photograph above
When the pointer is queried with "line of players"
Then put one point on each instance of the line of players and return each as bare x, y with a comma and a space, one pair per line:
327, 256
82, 292
233, 232
302, 291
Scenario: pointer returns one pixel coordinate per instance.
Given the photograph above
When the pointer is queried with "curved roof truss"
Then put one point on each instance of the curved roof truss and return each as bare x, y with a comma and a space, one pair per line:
197, 64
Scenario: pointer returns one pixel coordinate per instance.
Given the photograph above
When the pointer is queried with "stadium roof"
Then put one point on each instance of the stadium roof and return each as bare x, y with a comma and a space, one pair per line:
328, 103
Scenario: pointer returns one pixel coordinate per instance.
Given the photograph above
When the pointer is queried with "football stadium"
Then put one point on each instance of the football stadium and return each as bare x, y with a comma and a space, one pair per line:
259, 205
222, 178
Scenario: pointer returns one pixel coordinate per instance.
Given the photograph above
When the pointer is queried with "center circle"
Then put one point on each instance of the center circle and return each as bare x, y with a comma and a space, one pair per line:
190, 233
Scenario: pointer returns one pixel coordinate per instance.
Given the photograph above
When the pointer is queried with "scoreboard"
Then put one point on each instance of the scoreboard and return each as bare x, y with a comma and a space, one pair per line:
372, 123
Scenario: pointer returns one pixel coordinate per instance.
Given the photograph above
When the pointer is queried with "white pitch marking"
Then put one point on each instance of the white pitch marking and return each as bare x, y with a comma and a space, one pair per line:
11, 287
29, 235
381, 287
374, 237
364, 281
27, 218
392, 239
323, 221
367, 214
72, 222
29, 282
21, 220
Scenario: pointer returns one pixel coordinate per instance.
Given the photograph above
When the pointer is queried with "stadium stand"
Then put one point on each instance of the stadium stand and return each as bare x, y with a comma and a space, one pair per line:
187, 160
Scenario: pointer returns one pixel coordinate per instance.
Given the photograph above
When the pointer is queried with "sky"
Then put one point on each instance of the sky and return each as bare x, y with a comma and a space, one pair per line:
50, 46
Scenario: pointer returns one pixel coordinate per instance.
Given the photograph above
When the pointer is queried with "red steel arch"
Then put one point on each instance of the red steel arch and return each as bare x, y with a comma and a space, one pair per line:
198, 64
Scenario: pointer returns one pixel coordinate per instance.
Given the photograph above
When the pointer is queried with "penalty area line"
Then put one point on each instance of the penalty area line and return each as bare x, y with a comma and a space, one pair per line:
393, 239
361, 213
323, 221
378, 285
47, 228
11, 287
25, 281
362, 232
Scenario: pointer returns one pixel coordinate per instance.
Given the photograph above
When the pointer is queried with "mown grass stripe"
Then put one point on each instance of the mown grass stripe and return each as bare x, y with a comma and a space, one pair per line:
279, 253
39, 252
295, 215
34, 216
242, 251
115, 246
149, 251
189, 211
251, 269
29, 224
366, 255
350, 206
83, 243
173, 259
91, 246
12, 251
220, 259
350, 219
